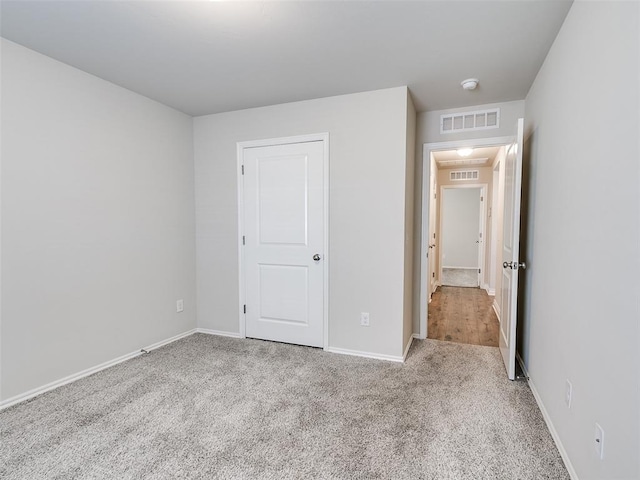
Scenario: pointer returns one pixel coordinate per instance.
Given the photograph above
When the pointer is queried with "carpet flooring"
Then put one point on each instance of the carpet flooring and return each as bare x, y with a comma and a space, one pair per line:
208, 407
459, 277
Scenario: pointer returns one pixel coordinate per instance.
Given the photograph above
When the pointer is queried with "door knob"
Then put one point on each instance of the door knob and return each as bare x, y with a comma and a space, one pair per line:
316, 257
514, 265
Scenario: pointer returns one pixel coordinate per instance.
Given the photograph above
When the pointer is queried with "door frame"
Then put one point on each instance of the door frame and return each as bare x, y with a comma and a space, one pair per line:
483, 214
427, 148
270, 142
493, 247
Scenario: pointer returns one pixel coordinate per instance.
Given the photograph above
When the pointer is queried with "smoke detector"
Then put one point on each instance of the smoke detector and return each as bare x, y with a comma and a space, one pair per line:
469, 83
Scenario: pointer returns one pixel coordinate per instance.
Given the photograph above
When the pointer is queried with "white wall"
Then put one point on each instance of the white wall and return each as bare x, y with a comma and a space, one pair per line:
97, 221
581, 319
460, 227
368, 154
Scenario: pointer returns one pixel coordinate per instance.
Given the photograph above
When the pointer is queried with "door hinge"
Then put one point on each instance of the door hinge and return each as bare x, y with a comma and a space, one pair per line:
433, 274
434, 195
242, 169
479, 271
243, 240
481, 198
245, 309
434, 235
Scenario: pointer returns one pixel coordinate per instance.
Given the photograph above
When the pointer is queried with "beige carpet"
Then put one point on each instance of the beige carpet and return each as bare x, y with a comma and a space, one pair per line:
213, 407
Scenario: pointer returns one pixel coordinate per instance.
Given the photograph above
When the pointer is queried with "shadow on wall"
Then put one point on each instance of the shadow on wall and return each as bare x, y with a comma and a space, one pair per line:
527, 224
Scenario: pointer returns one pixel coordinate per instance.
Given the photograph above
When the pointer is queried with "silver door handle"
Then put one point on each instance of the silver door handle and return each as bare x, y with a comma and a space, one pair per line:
316, 257
514, 265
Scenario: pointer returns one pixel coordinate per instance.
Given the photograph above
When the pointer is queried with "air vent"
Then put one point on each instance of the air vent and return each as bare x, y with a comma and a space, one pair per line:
465, 121
457, 175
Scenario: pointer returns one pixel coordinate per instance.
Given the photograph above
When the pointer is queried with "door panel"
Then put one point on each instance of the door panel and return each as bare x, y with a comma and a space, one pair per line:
284, 293
510, 250
284, 229
282, 199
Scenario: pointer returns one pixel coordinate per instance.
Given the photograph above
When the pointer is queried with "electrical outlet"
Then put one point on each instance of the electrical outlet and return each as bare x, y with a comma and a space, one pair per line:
599, 441
364, 319
179, 306
568, 394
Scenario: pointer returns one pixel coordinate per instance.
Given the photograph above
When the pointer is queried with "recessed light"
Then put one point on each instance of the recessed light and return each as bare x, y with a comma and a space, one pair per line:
465, 152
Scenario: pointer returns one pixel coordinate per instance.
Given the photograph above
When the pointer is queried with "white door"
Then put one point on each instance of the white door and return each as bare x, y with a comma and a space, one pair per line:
510, 250
284, 242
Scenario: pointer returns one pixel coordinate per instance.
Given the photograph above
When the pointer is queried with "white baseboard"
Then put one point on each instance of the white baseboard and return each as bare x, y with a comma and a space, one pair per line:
496, 309
356, 353
418, 337
89, 371
491, 291
219, 333
406, 349
550, 426
460, 268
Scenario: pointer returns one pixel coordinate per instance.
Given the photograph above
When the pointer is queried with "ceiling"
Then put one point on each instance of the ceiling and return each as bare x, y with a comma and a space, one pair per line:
205, 57
481, 157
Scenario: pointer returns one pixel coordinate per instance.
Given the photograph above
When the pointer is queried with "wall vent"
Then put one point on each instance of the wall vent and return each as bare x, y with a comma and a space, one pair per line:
457, 175
465, 121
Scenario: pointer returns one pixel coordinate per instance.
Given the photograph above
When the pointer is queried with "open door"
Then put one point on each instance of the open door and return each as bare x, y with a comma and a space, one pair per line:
510, 250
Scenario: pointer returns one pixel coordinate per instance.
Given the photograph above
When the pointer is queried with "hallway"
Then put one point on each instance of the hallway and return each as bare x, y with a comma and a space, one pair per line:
463, 315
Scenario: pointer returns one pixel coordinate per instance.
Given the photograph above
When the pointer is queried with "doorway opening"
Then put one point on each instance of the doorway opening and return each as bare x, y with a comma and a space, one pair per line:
462, 230
506, 167
462, 220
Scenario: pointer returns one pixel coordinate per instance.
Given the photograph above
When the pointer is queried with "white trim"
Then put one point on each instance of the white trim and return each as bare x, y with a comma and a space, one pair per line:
240, 147
325, 185
356, 353
417, 336
494, 231
406, 349
89, 371
219, 333
496, 308
425, 241
241, 280
550, 426
427, 148
490, 291
521, 362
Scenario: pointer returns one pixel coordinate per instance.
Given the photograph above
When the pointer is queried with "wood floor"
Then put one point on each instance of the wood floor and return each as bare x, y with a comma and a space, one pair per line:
463, 315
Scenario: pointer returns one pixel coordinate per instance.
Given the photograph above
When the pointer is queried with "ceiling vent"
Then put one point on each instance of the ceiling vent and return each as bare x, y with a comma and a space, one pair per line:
465, 121
457, 175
